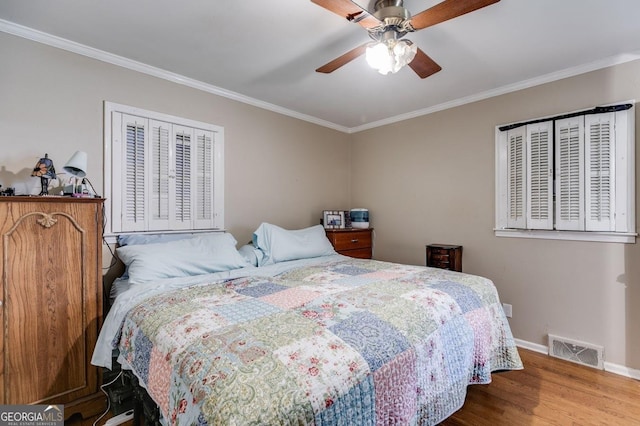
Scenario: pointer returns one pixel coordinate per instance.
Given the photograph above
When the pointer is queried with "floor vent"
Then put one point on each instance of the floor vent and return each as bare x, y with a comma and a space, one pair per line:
575, 351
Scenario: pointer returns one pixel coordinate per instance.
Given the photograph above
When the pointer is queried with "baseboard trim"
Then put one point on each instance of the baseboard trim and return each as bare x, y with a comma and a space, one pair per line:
621, 370
532, 346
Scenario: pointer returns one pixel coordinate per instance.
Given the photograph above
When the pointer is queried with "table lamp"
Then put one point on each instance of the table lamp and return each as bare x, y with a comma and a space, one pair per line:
77, 167
44, 170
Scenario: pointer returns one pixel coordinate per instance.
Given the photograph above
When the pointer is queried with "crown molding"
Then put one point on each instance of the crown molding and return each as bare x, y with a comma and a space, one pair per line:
71, 46
525, 84
81, 49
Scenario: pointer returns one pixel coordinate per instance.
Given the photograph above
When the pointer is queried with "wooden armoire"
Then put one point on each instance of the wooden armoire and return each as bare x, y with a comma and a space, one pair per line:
51, 302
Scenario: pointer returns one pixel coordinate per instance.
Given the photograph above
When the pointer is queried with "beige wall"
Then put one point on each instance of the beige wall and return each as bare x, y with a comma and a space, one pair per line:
277, 169
431, 180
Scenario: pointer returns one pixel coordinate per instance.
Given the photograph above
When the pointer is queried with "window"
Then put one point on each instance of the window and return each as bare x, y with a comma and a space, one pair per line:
163, 173
568, 177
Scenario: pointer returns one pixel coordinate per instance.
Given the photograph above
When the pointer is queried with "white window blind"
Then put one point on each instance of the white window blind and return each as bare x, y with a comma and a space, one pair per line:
570, 174
576, 172
204, 177
164, 173
182, 177
134, 188
516, 173
160, 149
600, 182
540, 176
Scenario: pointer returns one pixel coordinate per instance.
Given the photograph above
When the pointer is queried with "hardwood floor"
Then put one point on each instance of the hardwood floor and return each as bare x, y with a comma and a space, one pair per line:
550, 391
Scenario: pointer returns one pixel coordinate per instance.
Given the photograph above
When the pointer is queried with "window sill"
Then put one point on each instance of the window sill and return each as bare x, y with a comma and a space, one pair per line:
606, 237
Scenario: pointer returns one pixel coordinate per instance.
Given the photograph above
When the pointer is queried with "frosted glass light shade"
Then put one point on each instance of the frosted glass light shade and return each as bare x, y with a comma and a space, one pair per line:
390, 55
378, 57
77, 164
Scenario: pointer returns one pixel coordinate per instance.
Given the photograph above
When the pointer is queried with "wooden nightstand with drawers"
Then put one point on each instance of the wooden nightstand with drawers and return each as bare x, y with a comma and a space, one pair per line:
352, 241
445, 256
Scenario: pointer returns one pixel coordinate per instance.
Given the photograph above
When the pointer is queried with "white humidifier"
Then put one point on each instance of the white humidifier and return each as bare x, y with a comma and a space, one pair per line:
359, 218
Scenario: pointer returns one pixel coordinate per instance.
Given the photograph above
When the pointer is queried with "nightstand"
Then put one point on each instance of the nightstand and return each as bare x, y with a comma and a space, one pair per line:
352, 241
445, 256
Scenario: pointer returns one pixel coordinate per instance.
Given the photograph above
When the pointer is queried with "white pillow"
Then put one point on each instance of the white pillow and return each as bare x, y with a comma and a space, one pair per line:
250, 254
193, 256
142, 238
279, 245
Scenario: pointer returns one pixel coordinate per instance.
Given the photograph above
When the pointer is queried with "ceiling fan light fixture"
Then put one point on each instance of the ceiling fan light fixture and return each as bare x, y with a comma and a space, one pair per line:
389, 22
390, 55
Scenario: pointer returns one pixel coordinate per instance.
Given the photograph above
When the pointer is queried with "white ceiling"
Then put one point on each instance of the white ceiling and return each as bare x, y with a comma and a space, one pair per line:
265, 52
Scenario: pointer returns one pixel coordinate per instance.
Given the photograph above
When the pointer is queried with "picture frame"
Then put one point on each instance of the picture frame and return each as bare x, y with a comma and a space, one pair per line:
333, 219
347, 219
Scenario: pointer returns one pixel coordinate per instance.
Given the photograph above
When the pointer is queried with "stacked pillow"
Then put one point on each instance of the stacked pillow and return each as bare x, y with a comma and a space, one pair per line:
170, 255
274, 244
158, 256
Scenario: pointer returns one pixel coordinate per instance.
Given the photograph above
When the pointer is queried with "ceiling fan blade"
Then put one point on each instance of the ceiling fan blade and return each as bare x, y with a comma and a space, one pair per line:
350, 11
423, 65
448, 9
342, 60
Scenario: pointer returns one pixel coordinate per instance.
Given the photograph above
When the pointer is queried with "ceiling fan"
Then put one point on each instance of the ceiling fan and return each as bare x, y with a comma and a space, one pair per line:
387, 25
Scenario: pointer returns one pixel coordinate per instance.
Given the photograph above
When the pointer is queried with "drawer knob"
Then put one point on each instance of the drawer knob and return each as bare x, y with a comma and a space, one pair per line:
354, 241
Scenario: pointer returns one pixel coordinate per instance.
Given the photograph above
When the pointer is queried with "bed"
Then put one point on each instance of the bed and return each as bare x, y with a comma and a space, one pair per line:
289, 332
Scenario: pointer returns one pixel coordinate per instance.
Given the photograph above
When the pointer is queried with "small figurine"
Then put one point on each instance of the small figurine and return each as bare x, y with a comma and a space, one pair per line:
45, 171
7, 192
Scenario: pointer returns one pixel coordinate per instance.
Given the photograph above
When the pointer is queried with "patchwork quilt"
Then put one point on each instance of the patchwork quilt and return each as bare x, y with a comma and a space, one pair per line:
349, 342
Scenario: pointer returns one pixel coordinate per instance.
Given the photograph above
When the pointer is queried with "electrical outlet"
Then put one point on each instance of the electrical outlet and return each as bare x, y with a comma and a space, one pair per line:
508, 309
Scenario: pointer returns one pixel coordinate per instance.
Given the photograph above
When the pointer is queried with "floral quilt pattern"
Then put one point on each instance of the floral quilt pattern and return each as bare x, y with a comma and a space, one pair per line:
342, 343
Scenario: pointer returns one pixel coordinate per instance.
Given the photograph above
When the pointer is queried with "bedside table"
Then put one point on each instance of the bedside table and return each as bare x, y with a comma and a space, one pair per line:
352, 242
445, 256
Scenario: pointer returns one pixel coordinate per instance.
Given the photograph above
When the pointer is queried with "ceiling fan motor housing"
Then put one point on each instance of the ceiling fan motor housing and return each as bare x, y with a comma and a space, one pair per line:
385, 3
393, 15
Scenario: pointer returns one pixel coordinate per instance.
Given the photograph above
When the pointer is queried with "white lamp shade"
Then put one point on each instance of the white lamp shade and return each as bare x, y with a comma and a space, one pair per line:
77, 164
390, 55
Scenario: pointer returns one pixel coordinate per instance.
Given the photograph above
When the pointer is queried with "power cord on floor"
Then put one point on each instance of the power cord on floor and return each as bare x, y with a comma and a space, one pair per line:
108, 399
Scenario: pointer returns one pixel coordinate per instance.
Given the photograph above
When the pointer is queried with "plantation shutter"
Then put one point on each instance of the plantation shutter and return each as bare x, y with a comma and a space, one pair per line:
578, 177
570, 174
182, 179
159, 169
599, 173
204, 179
539, 176
516, 175
134, 163
624, 168
167, 173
